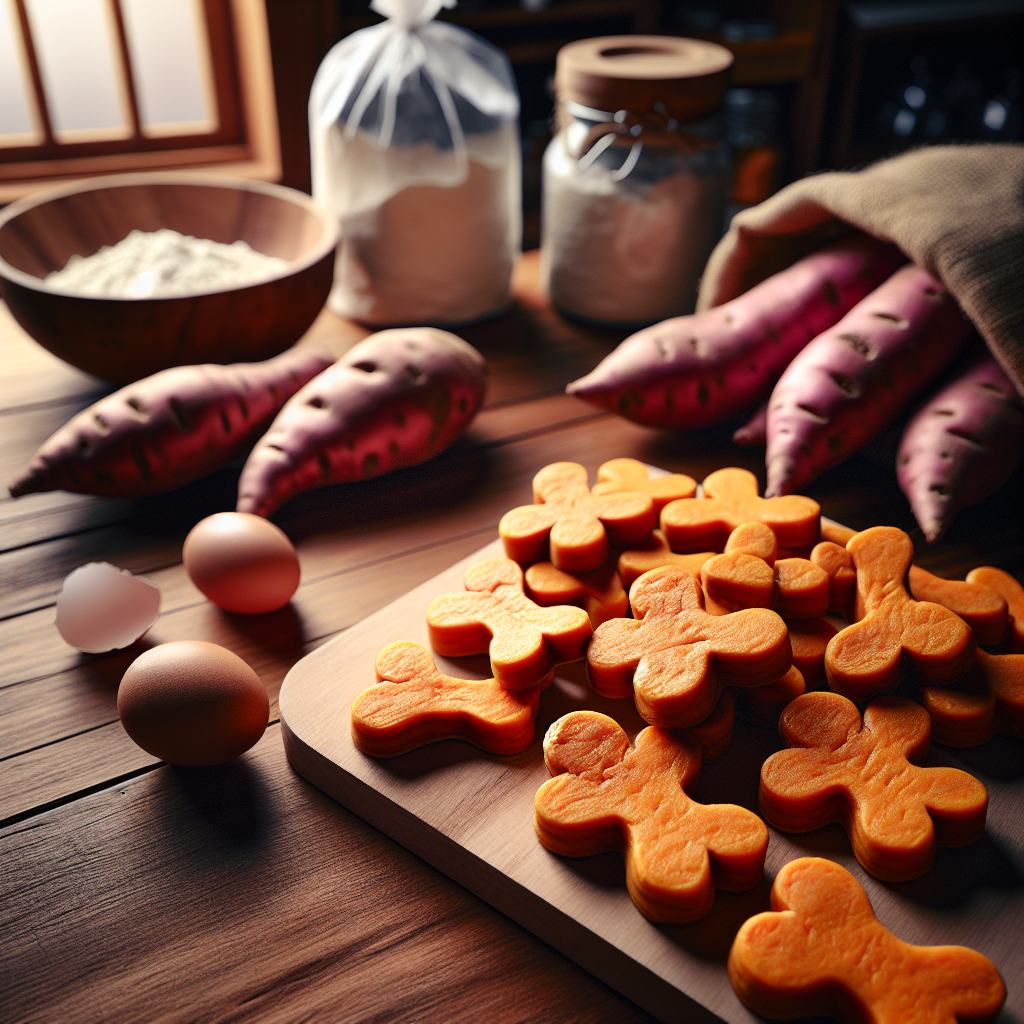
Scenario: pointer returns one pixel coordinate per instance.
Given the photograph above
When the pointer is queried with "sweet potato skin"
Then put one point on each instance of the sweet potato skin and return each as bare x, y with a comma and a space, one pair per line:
396, 399
843, 388
961, 446
695, 371
169, 429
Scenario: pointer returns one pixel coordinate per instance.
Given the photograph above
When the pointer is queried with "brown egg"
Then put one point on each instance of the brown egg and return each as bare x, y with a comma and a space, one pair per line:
192, 703
241, 562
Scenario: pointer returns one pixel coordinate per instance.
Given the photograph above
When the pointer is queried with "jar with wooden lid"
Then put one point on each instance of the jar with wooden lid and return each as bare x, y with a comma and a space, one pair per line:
636, 178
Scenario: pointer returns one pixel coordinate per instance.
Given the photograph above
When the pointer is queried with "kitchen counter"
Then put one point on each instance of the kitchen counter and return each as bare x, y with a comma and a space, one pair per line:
134, 891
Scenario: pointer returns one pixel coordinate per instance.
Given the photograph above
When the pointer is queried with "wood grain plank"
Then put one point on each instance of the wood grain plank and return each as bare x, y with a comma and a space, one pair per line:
242, 893
152, 536
46, 711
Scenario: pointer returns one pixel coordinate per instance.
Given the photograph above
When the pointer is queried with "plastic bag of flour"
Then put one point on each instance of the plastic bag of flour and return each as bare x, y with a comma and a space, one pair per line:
415, 146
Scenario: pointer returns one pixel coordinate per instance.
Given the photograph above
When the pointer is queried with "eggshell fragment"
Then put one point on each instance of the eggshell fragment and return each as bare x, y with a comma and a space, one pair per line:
242, 562
103, 608
192, 703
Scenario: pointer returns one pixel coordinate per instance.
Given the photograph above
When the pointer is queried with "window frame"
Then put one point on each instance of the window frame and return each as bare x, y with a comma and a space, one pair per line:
244, 143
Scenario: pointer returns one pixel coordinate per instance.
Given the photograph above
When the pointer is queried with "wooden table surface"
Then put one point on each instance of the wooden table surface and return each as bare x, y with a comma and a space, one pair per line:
134, 891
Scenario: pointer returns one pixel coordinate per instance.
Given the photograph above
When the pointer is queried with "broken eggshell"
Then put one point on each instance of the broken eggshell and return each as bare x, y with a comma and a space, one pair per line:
102, 608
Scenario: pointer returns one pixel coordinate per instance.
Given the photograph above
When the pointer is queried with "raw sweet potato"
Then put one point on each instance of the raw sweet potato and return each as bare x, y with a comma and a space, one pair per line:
169, 429
961, 446
396, 399
843, 388
693, 371
754, 432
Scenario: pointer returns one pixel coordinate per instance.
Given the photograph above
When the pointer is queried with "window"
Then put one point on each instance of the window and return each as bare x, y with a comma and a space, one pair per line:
102, 86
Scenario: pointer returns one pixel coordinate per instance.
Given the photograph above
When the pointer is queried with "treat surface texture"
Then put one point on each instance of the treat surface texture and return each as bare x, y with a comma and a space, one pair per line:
413, 704
675, 657
494, 616
867, 777
821, 950
608, 796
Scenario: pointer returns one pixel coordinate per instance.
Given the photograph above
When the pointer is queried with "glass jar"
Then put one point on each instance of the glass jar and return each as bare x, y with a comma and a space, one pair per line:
634, 189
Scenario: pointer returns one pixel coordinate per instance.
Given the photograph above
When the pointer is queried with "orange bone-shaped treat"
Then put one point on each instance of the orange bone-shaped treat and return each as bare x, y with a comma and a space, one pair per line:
989, 700
982, 609
866, 777
794, 587
837, 563
753, 539
730, 500
631, 475
413, 704
809, 639
496, 617
714, 734
570, 526
1010, 590
606, 796
762, 705
675, 657
821, 950
599, 593
655, 553
865, 659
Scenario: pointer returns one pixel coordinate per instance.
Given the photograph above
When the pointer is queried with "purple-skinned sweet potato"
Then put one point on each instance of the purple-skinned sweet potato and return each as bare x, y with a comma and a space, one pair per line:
961, 446
847, 384
169, 429
396, 399
698, 370
754, 432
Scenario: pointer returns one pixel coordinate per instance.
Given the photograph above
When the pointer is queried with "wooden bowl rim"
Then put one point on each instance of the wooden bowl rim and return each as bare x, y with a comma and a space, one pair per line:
327, 220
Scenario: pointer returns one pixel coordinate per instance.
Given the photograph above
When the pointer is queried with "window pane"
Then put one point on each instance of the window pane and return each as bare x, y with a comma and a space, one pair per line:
170, 61
74, 42
15, 115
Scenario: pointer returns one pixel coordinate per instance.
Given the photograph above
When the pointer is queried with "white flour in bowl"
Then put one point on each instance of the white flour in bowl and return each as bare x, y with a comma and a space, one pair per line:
150, 264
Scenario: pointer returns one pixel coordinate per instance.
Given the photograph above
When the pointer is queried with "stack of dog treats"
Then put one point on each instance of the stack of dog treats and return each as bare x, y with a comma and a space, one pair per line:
732, 606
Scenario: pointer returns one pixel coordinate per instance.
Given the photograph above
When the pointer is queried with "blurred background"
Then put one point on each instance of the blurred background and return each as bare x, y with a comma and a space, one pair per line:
102, 86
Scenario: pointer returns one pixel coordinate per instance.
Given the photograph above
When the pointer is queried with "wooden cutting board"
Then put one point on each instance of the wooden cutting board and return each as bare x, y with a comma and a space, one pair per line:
470, 814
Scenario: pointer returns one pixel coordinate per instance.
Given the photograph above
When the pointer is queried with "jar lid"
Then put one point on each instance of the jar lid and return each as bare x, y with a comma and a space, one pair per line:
688, 76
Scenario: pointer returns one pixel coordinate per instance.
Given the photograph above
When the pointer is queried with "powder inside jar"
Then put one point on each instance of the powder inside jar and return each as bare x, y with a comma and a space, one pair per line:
153, 264
627, 253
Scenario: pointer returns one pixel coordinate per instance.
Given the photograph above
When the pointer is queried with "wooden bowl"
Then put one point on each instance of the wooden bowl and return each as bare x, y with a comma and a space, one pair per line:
125, 339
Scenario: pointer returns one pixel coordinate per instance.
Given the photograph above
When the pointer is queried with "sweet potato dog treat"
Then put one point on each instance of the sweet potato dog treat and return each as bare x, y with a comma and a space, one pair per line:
984, 612
606, 796
753, 539
794, 587
571, 527
714, 734
631, 475
496, 617
599, 593
865, 659
982, 609
835, 560
821, 950
809, 639
866, 777
676, 658
730, 500
413, 704
989, 700
762, 705
655, 553
1010, 591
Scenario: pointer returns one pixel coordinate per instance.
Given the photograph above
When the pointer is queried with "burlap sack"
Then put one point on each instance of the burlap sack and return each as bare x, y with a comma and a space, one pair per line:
957, 211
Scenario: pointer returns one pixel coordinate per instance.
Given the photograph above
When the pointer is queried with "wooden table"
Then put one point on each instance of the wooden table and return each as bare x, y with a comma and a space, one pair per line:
134, 891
